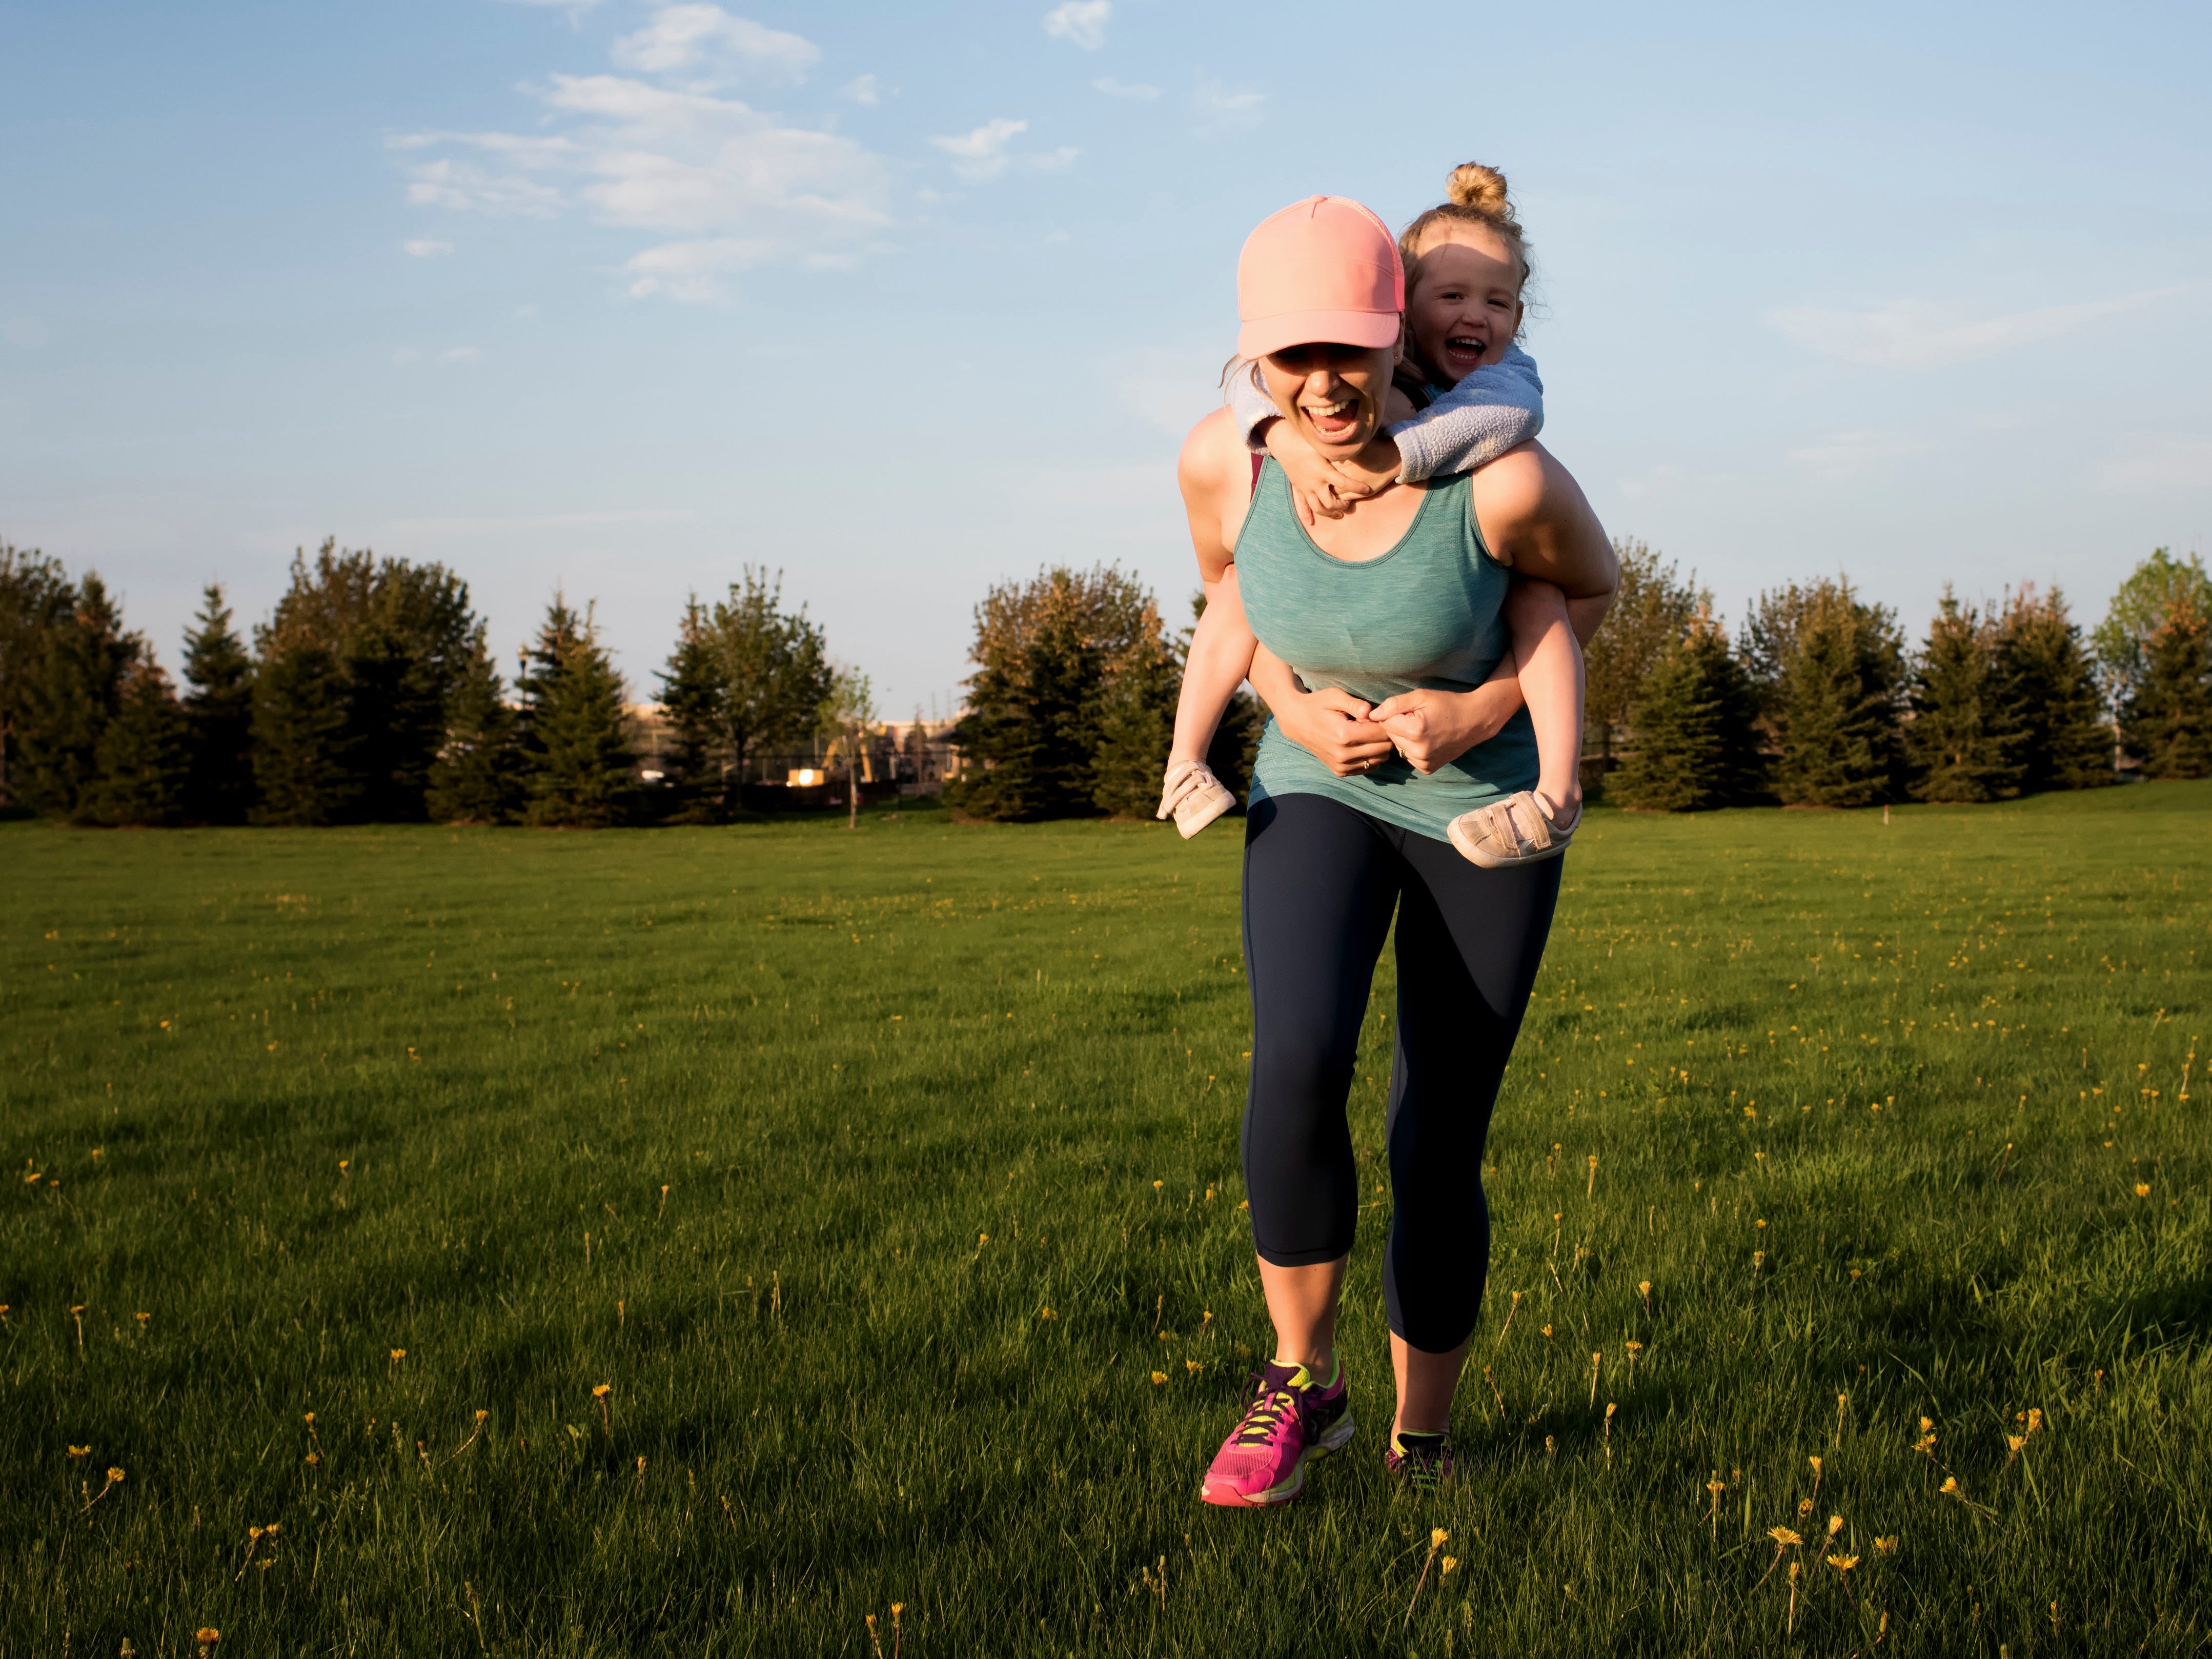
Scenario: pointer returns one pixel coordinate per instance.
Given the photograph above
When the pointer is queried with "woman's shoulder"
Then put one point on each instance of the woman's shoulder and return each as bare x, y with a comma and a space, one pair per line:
1213, 454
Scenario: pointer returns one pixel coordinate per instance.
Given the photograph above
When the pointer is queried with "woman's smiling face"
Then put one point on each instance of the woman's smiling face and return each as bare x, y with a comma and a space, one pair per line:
1465, 307
1332, 395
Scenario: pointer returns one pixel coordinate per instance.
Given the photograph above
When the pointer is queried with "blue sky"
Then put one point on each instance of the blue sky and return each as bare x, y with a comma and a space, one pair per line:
905, 300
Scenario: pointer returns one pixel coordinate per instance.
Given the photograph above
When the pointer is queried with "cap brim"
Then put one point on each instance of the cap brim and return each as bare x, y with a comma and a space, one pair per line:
1370, 328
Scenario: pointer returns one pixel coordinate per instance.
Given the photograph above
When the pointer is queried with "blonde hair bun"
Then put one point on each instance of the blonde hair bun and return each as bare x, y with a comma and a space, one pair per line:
1474, 186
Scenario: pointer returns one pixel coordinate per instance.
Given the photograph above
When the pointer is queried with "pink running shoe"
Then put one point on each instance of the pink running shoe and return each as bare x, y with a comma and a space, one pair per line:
1291, 1421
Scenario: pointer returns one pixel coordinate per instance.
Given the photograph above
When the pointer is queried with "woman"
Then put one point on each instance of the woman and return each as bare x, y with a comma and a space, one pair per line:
1392, 614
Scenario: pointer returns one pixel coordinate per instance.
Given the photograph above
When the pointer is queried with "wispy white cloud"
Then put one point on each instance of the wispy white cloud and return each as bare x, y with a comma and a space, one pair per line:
1222, 108
469, 187
1136, 89
739, 188
2161, 462
1855, 454
465, 354
704, 40
1915, 334
424, 248
982, 154
986, 152
861, 90
1083, 21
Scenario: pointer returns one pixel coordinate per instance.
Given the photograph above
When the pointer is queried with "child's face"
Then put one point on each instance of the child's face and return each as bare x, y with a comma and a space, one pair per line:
1466, 306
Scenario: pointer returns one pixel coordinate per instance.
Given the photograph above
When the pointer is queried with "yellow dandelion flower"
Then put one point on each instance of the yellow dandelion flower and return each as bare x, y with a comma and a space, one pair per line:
1436, 1537
398, 1354
1843, 1563
141, 1318
2142, 1190
1835, 1525
1804, 1506
601, 1390
1785, 1536
1046, 1313
983, 1239
1950, 1485
115, 1477
1157, 1185
1886, 1545
80, 1451
2035, 1419
1449, 1564
1192, 1366
1159, 1379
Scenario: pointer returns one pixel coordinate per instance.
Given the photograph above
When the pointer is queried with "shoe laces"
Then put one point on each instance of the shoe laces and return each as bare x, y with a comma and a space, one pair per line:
1269, 1410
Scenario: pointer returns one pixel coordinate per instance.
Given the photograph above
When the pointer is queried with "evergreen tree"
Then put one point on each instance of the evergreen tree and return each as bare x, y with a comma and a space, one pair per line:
1032, 724
145, 758
1961, 739
73, 692
218, 716
1136, 721
1695, 721
304, 763
578, 771
2046, 683
2167, 722
473, 779
694, 697
1652, 612
35, 596
400, 634
1837, 700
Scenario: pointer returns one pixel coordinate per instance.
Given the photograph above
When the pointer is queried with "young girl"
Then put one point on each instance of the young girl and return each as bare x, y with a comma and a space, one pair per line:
1466, 267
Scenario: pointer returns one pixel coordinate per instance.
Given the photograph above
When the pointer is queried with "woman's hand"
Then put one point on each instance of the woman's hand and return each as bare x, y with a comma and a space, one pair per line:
1432, 729
1330, 725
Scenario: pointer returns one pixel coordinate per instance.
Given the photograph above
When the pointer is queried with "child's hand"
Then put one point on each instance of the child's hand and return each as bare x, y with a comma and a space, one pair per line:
1317, 487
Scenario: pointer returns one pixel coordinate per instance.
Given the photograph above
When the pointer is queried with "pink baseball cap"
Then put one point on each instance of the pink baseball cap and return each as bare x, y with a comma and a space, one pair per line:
1324, 268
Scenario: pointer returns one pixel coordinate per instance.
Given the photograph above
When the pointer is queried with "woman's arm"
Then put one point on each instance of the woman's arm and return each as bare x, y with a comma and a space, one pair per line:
1535, 519
1432, 729
1499, 406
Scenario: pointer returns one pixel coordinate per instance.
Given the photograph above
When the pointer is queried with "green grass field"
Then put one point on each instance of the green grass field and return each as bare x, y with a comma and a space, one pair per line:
889, 1183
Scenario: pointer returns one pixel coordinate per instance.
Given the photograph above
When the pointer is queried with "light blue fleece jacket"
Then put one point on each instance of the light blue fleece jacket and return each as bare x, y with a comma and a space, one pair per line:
1498, 406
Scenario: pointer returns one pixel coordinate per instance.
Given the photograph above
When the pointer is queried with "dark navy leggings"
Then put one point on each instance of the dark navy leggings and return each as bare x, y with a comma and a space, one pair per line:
1321, 881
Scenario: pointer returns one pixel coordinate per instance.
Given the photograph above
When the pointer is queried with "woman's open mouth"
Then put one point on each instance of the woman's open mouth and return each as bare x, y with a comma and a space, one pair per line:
1334, 421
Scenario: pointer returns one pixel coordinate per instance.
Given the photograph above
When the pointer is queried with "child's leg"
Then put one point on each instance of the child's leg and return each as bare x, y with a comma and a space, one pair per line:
1551, 669
1220, 657
1221, 648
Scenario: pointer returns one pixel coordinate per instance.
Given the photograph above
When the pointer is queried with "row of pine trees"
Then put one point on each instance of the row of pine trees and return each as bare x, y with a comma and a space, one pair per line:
371, 694
1820, 700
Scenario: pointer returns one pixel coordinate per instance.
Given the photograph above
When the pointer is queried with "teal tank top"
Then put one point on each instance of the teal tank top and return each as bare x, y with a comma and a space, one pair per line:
1426, 614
